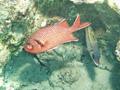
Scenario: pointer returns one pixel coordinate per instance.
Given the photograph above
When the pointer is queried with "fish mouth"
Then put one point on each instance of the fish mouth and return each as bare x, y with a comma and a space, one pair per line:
97, 62
96, 59
25, 48
30, 49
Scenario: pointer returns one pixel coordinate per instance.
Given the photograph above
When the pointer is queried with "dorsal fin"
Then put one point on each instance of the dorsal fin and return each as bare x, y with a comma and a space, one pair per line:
76, 23
63, 23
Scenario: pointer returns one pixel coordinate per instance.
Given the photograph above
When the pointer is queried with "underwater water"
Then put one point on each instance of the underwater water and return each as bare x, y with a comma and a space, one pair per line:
69, 66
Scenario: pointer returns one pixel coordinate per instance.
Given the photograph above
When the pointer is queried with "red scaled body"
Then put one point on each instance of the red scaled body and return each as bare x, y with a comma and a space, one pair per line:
49, 37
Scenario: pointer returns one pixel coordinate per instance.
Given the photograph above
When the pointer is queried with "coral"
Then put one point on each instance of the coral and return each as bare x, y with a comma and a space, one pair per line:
4, 56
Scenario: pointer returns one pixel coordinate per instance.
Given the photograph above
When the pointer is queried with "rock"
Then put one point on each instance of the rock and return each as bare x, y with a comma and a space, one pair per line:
21, 4
115, 4
4, 55
4, 11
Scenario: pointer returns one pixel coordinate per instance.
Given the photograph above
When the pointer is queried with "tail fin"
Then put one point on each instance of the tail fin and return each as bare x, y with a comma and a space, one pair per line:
77, 25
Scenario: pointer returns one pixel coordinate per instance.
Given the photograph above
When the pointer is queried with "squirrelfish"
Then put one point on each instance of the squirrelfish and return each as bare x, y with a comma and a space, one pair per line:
49, 37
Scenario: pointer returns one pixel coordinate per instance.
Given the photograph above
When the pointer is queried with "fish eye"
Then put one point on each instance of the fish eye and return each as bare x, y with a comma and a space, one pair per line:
29, 46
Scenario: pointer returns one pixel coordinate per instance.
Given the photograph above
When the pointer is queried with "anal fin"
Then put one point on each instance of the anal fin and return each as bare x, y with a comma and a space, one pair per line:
70, 38
52, 49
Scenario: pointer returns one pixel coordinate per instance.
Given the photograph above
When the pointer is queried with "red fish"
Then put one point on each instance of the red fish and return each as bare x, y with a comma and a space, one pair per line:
49, 37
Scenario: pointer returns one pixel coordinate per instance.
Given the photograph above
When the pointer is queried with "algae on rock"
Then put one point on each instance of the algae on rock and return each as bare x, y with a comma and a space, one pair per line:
117, 51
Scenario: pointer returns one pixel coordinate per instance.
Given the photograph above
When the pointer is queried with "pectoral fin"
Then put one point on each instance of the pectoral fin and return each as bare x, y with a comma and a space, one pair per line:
40, 42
